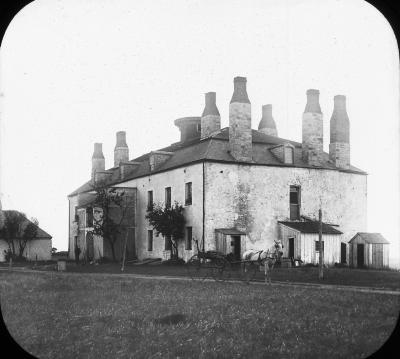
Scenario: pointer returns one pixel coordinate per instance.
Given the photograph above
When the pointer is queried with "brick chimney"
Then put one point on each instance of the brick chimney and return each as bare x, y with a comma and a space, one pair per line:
339, 146
210, 119
121, 150
312, 130
240, 136
98, 161
267, 124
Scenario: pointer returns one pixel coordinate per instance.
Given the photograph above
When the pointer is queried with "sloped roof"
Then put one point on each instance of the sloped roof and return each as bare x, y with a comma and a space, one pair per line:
311, 227
371, 238
216, 149
41, 234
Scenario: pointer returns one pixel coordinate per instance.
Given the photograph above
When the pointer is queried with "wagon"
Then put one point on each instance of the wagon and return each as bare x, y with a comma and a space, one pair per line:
210, 264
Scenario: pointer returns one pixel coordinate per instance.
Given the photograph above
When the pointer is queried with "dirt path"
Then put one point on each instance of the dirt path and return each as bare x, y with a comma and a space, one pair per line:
184, 278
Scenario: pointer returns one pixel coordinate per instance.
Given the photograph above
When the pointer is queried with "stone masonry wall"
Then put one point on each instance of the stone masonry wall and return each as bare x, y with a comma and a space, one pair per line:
255, 198
240, 131
312, 135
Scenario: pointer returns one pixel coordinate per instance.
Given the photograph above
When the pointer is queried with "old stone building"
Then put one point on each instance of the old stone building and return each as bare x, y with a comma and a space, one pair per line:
241, 188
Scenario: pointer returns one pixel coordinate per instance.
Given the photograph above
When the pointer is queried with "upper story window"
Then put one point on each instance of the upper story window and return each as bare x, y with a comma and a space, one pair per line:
188, 242
168, 197
149, 199
188, 194
288, 154
294, 202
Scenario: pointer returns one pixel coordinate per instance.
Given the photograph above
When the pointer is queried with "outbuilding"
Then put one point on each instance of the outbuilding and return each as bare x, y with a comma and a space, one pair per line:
369, 250
300, 240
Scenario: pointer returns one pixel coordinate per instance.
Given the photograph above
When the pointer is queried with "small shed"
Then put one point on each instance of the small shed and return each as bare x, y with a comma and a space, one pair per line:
230, 240
369, 250
300, 241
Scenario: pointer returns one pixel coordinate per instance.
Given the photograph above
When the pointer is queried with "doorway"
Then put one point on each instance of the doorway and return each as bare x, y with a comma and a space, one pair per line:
291, 247
343, 253
236, 247
360, 255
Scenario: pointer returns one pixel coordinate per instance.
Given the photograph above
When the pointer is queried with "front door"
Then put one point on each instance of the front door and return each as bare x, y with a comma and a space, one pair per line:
291, 247
360, 255
342, 252
236, 247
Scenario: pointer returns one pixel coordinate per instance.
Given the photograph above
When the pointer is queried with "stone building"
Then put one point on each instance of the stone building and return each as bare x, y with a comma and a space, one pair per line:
241, 188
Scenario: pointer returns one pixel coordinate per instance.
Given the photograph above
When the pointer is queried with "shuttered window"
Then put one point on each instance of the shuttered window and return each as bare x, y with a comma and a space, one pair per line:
294, 202
149, 240
168, 197
188, 194
167, 244
188, 245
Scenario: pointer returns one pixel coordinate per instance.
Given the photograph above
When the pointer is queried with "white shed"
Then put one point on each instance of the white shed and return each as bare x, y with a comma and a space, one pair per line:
369, 250
300, 240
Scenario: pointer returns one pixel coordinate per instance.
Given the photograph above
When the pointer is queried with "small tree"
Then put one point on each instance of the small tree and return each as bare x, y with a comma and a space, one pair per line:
114, 206
12, 229
169, 221
29, 233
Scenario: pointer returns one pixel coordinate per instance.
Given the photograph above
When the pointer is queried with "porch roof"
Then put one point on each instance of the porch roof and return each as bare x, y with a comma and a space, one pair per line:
310, 227
230, 231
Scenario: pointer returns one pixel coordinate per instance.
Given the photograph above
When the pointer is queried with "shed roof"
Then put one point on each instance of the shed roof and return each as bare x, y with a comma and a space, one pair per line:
216, 149
310, 227
41, 234
230, 231
371, 238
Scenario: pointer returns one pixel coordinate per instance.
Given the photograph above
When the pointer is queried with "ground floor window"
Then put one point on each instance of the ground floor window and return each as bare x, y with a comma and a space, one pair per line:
149, 240
317, 246
168, 243
188, 245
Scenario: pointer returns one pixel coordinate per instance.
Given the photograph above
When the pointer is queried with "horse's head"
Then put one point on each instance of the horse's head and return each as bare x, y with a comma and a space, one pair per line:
278, 248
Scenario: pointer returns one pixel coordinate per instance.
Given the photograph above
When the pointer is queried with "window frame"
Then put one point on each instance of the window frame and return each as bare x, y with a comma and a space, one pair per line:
150, 199
168, 197
188, 193
317, 246
188, 241
150, 240
298, 204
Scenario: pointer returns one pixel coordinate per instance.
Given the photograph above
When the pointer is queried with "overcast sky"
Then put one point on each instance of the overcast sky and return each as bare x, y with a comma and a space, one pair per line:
73, 72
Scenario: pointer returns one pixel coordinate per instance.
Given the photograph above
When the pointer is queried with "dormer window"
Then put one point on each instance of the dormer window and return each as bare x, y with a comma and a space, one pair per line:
288, 154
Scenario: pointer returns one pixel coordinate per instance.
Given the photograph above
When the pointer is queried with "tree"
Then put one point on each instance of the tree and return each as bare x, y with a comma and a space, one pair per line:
114, 205
29, 233
169, 221
12, 229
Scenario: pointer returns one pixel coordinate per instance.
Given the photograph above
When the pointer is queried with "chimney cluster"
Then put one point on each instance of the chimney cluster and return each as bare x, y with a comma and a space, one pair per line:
312, 132
240, 132
121, 157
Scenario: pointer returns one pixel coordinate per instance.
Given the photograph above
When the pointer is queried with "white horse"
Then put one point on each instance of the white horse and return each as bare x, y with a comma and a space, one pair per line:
266, 258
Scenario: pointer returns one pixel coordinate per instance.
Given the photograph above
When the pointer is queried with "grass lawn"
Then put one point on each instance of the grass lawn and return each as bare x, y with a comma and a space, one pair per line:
61, 315
389, 279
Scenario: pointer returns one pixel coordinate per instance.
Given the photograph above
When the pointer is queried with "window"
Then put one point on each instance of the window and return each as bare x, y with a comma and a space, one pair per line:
168, 244
188, 194
149, 199
149, 240
168, 197
288, 156
198, 127
188, 243
317, 246
89, 217
294, 202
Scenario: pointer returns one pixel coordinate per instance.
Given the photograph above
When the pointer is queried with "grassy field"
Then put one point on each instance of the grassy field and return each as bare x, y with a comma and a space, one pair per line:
340, 276
61, 315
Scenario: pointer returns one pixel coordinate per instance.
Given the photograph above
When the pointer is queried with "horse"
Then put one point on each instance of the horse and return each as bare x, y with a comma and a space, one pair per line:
266, 258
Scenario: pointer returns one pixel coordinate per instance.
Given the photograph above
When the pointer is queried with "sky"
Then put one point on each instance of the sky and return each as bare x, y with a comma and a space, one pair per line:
75, 72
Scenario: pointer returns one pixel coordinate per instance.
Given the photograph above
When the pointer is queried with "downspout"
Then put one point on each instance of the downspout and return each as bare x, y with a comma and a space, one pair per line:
204, 200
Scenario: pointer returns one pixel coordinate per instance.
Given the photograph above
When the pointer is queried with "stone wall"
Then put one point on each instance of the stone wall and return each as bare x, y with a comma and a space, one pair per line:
240, 135
255, 198
312, 138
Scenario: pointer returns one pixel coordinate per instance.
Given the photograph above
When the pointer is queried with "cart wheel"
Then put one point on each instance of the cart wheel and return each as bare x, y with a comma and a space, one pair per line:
249, 271
193, 266
221, 269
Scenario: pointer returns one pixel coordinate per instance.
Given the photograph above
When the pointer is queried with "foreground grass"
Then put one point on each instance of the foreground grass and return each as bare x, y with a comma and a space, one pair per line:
55, 315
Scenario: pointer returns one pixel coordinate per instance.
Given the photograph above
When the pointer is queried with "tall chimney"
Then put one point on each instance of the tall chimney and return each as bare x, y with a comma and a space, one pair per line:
312, 130
339, 146
240, 135
121, 150
98, 161
210, 119
267, 124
